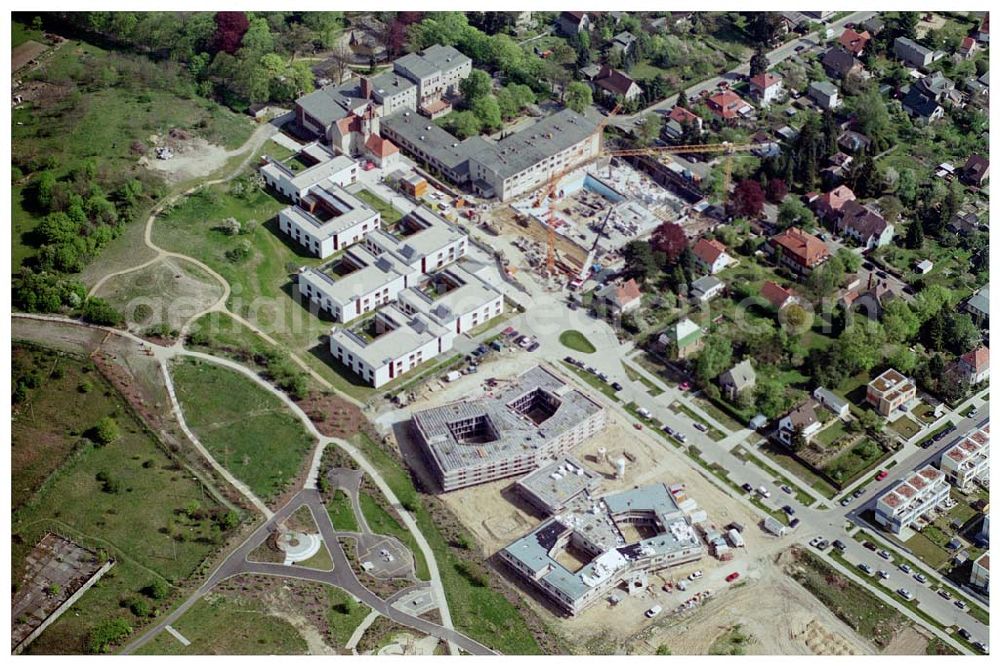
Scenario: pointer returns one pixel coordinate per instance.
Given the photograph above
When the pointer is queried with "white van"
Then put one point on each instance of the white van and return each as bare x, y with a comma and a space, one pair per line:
654, 611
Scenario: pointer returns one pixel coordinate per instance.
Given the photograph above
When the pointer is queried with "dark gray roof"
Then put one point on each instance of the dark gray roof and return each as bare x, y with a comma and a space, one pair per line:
516, 152
445, 148
389, 83
839, 61
919, 103
332, 102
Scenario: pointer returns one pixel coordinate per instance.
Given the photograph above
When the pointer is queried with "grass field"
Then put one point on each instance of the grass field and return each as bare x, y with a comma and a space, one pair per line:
127, 98
576, 341
219, 625
381, 522
389, 214
344, 615
247, 430
151, 516
905, 427
798, 470
342, 513
862, 611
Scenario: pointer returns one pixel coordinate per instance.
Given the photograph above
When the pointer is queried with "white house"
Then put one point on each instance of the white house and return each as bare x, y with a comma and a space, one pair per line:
323, 167
766, 87
327, 219
909, 501
711, 256
968, 460
803, 416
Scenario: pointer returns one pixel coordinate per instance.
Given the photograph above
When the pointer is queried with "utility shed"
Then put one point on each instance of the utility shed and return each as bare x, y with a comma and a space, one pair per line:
774, 527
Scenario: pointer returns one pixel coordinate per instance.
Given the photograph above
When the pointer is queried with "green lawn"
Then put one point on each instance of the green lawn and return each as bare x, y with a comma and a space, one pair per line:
21, 33
151, 515
832, 432
924, 548
344, 615
785, 460
389, 214
245, 428
218, 625
381, 522
342, 513
924, 412
854, 461
905, 427
576, 341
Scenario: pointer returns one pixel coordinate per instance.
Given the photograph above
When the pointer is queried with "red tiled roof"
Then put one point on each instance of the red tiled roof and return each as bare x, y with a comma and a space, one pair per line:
837, 197
765, 80
854, 41
682, 115
614, 80
726, 104
977, 359
805, 248
968, 43
708, 250
930, 473
891, 499
775, 293
906, 490
627, 292
380, 147
917, 482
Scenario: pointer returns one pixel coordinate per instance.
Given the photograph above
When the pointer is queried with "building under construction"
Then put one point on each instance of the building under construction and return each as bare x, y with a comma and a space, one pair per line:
596, 544
538, 416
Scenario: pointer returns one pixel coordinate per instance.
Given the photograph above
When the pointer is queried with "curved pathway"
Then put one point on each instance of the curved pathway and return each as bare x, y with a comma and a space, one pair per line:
164, 354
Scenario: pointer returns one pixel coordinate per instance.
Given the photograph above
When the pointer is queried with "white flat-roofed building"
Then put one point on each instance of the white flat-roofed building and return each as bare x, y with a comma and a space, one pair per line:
356, 283
437, 70
422, 240
919, 494
979, 578
325, 167
398, 342
968, 460
327, 219
889, 391
454, 298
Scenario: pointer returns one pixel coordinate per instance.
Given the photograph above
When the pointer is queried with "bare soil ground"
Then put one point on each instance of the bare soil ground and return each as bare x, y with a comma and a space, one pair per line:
909, 640
25, 53
171, 291
192, 158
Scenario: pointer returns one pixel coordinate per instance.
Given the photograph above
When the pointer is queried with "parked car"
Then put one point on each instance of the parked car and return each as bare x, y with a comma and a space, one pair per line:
845, 501
960, 604
881, 475
654, 611
920, 578
800, 48
883, 574
867, 569
858, 493
733, 576
747, 487
786, 489
533, 346
788, 509
616, 386
964, 633
794, 523
696, 575
637, 426
700, 426
905, 568
884, 554
906, 594
944, 594
839, 545
684, 386
981, 646
870, 546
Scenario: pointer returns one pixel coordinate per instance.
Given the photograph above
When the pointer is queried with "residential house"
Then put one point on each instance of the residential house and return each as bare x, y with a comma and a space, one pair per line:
864, 225
617, 83
682, 339
678, 119
573, 23
976, 171
871, 300
832, 401
800, 251
912, 53
974, 367
983, 32
738, 379
711, 256
829, 204
964, 222
624, 43
853, 142
967, 48
706, 288
620, 297
922, 492
840, 64
802, 417
854, 42
890, 391
728, 106
836, 169
778, 296
922, 107
873, 26
825, 94
383, 152
766, 87
968, 460
978, 305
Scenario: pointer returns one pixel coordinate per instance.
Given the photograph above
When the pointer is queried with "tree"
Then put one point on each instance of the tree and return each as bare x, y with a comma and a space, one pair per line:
873, 118
670, 239
475, 86
777, 190
464, 124
640, 263
769, 396
798, 440
851, 261
915, 234
793, 212
649, 130
900, 322
962, 333
747, 199
488, 112
106, 431
107, 633
158, 589
578, 96
98, 311
714, 358
682, 99
865, 179
759, 64
860, 345
229, 30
